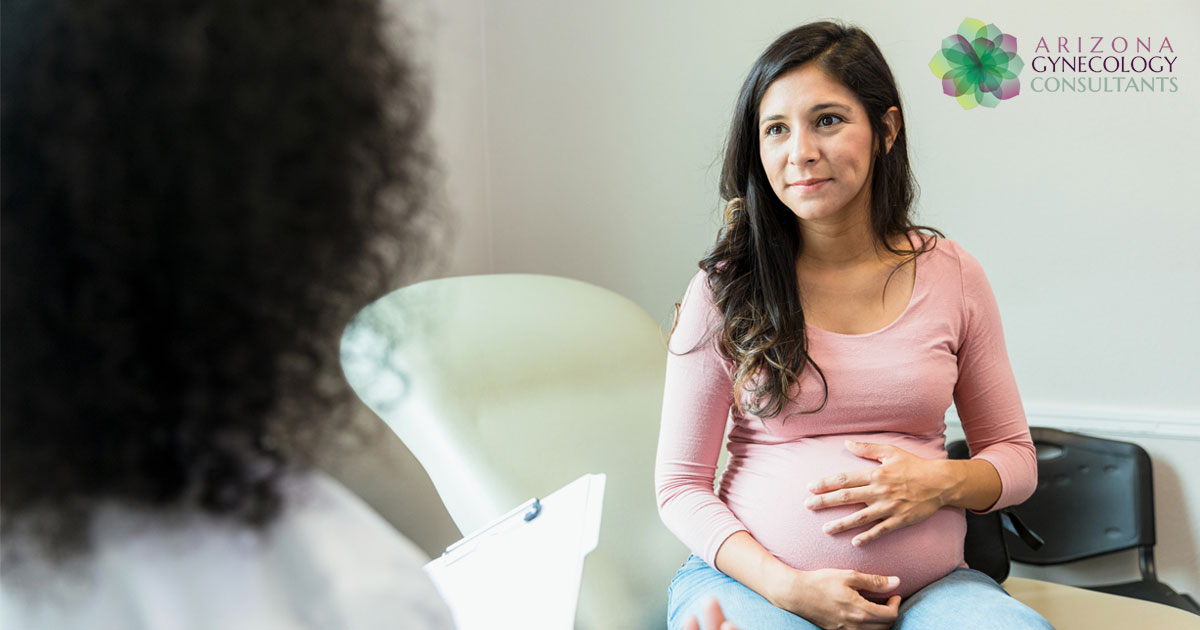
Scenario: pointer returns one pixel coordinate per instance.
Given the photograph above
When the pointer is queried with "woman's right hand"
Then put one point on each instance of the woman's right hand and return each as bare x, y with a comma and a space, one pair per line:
830, 598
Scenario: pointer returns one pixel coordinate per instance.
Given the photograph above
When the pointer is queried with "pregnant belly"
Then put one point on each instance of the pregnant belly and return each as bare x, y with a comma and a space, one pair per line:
766, 486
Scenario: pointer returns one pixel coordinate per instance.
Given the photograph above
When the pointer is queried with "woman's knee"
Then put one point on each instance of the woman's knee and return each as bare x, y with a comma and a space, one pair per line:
967, 598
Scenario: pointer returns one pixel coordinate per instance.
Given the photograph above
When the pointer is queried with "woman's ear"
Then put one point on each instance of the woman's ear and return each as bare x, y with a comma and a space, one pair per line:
892, 122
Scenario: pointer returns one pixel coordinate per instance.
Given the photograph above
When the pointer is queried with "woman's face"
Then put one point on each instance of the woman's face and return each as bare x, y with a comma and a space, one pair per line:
816, 146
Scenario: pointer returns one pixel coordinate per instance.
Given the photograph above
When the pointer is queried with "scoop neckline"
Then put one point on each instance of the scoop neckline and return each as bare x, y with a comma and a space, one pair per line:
912, 299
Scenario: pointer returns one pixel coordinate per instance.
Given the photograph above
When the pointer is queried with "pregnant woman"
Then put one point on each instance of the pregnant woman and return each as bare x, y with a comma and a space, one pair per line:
832, 334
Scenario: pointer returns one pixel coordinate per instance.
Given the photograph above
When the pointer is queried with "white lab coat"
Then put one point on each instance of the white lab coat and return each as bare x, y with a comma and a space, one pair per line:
328, 562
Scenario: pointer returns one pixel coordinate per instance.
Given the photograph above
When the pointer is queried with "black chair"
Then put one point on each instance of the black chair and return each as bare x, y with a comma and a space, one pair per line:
1094, 497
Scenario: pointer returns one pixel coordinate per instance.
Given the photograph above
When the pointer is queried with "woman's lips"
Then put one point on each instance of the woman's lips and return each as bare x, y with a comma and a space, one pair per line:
808, 185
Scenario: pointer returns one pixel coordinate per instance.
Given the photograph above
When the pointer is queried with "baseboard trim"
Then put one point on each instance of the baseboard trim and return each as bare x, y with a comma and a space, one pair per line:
1121, 422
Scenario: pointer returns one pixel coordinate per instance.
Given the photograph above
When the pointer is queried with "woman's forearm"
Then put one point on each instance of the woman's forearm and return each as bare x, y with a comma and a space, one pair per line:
977, 484
742, 558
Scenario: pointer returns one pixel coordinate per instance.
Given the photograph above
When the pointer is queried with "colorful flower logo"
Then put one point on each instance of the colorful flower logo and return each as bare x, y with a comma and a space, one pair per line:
978, 65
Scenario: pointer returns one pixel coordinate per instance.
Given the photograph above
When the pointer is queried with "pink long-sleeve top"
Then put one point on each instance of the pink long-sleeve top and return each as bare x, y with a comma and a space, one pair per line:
891, 386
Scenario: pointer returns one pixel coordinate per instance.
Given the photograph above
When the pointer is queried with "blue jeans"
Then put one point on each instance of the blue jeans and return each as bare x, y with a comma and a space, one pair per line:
965, 598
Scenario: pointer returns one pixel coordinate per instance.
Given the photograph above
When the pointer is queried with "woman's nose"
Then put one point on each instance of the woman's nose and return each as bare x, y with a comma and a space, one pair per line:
802, 149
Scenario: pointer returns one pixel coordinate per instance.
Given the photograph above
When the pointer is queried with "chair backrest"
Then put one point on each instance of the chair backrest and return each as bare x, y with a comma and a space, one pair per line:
1094, 496
507, 387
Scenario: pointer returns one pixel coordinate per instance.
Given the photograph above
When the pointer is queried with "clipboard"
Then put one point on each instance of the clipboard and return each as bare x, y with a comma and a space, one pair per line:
524, 569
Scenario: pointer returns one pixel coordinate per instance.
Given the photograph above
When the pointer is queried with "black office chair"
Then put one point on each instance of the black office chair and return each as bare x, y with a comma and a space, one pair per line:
1094, 497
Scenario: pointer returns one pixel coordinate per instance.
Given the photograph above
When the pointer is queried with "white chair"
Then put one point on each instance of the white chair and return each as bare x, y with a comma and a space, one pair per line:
507, 387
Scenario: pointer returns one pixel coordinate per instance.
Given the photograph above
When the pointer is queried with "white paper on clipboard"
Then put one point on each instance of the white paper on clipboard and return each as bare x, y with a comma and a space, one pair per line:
524, 573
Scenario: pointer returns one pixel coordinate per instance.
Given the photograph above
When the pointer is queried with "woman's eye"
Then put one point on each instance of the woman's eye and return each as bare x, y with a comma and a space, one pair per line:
775, 130
831, 118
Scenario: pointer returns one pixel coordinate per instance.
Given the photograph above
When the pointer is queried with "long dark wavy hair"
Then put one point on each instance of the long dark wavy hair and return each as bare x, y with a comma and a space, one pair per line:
751, 267
197, 197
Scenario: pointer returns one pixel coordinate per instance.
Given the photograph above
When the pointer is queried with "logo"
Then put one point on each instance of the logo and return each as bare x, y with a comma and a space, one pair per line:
1104, 64
978, 65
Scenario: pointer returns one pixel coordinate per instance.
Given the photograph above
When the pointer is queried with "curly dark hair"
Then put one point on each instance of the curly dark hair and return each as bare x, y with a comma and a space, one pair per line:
751, 267
197, 197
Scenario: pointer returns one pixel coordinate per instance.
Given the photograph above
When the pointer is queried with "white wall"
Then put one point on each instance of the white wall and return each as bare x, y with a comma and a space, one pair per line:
606, 120
583, 139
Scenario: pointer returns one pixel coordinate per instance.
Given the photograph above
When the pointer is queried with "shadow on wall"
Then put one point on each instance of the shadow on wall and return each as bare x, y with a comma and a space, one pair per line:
1174, 535
384, 473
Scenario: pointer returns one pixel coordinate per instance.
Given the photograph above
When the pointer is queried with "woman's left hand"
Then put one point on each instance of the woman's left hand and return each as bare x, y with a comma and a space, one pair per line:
903, 490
